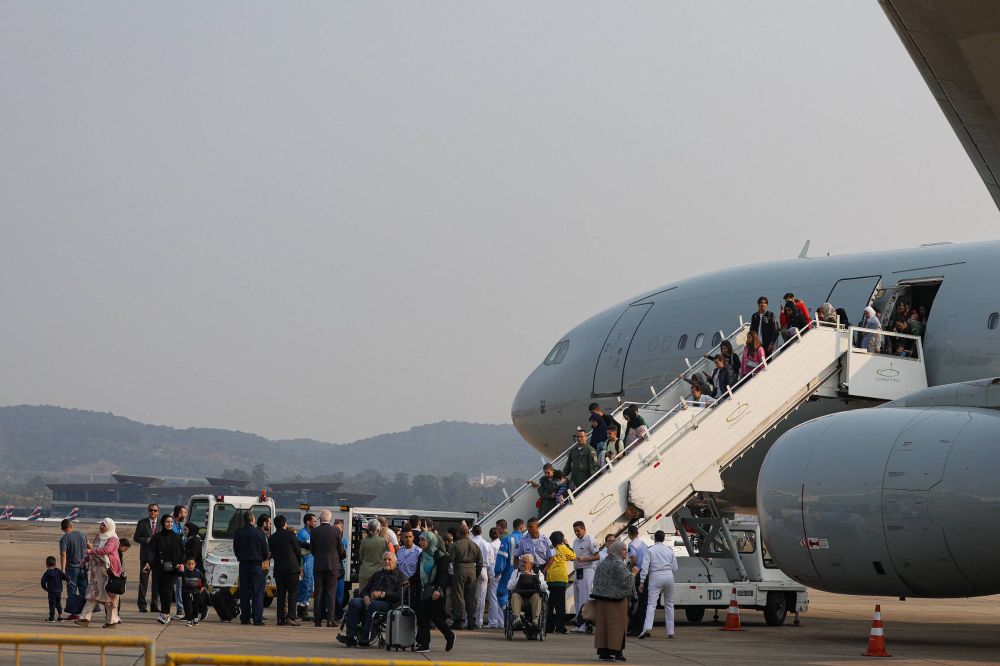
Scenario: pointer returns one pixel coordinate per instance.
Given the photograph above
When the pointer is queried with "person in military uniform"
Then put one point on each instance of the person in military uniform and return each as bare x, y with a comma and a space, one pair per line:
581, 463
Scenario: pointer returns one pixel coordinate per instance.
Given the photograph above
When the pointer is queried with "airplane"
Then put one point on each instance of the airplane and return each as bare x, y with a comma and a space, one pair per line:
829, 517
36, 514
8, 513
73, 514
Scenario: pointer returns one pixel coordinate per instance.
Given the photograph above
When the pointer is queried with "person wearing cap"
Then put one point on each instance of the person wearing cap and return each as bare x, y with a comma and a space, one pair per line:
581, 461
656, 578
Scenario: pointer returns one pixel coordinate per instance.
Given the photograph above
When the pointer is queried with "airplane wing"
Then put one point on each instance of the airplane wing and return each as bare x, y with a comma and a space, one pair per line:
955, 45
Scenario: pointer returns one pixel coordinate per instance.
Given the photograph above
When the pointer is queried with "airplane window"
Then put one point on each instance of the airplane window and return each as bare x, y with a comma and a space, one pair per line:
682, 341
666, 342
699, 340
716, 339
654, 342
993, 320
557, 354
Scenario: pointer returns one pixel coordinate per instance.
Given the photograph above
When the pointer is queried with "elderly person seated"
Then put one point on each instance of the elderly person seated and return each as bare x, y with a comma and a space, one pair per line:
526, 584
383, 591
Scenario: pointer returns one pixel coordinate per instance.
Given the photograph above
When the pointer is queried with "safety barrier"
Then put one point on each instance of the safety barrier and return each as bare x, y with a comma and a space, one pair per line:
186, 659
59, 641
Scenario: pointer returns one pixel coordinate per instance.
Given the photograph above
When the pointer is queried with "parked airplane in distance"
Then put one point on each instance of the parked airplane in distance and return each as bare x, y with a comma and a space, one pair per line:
891, 500
73, 514
36, 514
8, 513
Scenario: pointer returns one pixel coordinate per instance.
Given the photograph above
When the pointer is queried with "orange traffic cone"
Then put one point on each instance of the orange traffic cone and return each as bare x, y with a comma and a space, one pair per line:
733, 615
876, 639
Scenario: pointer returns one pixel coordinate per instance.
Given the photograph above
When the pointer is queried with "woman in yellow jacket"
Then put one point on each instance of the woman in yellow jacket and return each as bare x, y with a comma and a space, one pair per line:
557, 577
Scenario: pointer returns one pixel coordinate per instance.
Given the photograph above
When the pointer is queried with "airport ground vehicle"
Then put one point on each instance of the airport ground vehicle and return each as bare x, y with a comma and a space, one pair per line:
723, 555
218, 518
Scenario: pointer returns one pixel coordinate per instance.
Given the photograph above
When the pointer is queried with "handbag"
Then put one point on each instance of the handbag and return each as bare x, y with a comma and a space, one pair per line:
115, 584
588, 613
427, 594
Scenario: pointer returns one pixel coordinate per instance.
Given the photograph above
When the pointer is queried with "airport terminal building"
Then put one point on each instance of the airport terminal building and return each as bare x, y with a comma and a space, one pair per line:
127, 496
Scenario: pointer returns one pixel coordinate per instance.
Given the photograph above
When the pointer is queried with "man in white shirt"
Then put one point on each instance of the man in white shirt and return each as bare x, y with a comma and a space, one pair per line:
657, 576
495, 617
408, 554
608, 540
482, 584
584, 565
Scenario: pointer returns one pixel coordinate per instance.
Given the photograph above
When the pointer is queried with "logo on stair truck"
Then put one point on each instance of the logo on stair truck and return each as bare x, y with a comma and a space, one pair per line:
603, 505
737, 415
887, 374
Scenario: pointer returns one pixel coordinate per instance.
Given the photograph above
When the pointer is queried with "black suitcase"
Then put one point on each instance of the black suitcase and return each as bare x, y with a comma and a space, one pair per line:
225, 605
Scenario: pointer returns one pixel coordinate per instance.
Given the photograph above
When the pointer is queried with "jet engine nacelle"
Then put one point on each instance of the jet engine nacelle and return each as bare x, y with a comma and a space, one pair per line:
898, 500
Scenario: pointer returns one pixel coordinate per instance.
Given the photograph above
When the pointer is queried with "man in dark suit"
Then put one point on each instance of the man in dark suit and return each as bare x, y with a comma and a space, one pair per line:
327, 553
250, 548
144, 531
286, 553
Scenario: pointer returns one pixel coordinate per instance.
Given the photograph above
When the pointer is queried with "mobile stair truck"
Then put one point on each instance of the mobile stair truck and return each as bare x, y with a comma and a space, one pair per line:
688, 447
218, 518
723, 555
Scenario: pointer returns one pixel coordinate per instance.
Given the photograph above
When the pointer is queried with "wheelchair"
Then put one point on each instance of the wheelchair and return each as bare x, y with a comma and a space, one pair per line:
530, 629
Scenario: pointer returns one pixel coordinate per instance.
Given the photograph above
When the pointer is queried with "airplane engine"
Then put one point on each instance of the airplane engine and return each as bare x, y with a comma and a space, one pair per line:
896, 500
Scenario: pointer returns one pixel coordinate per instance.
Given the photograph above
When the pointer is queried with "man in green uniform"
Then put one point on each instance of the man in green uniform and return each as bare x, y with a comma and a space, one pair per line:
581, 463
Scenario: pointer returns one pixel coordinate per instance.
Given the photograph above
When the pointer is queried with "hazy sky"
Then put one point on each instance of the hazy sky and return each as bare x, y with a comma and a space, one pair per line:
338, 219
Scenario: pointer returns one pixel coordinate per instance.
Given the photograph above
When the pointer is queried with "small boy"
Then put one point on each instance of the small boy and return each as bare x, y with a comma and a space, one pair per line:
192, 584
52, 582
562, 492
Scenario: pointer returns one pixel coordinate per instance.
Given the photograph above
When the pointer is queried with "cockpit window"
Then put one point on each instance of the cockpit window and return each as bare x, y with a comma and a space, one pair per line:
558, 353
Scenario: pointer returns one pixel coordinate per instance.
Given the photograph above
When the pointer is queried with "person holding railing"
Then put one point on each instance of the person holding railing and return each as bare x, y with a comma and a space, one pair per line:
614, 447
792, 318
635, 428
547, 487
703, 381
698, 399
726, 351
871, 341
753, 354
723, 378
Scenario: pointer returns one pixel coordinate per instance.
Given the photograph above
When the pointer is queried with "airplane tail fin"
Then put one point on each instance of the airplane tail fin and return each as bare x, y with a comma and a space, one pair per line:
36, 513
73, 514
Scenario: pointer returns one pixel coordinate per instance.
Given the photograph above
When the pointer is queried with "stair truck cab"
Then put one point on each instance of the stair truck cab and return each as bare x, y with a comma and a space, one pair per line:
218, 517
724, 554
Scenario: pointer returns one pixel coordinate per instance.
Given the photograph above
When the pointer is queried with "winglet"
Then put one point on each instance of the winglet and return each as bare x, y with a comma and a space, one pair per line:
804, 254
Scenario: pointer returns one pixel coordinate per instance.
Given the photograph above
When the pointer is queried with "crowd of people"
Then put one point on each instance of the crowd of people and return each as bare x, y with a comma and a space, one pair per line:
460, 580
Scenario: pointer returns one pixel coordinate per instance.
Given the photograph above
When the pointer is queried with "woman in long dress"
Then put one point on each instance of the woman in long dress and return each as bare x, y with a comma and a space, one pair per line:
100, 558
613, 587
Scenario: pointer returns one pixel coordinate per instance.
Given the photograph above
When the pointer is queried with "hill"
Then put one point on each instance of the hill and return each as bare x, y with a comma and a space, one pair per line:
56, 441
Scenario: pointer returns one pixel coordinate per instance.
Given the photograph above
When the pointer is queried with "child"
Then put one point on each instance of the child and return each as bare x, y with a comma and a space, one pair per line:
557, 577
192, 583
562, 491
52, 581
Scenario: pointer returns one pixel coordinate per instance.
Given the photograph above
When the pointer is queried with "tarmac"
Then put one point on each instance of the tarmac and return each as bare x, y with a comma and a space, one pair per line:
833, 631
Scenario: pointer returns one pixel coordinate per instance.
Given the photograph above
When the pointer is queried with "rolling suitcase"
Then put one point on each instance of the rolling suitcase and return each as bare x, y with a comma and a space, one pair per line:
402, 630
225, 605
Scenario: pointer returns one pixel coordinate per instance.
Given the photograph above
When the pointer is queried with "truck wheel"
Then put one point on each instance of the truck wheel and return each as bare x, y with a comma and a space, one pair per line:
776, 609
694, 614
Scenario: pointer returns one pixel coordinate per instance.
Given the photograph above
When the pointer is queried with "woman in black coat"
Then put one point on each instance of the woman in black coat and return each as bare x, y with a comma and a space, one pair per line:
167, 555
427, 590
192, 546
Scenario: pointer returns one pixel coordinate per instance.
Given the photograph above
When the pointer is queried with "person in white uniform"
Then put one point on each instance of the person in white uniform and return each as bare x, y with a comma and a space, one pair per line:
495, 620
482, 583
586, 550
657, 575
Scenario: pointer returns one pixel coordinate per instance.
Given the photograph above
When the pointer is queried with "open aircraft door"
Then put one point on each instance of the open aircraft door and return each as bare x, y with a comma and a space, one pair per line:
611, 363
854, 295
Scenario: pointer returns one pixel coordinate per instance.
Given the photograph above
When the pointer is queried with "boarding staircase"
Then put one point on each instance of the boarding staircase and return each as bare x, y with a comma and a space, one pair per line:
689, 446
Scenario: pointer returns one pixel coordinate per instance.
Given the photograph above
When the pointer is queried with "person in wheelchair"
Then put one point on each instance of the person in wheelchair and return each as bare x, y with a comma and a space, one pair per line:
527, 585
383, 592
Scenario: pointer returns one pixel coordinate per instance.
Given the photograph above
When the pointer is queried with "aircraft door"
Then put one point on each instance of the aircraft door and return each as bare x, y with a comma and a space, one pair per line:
854, 295
610, 368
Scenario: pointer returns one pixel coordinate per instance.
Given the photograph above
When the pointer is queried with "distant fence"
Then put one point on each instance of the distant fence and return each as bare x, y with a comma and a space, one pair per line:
59, 641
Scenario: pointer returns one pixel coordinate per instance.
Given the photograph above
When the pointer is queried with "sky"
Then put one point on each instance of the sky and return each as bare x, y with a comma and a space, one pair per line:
333, 220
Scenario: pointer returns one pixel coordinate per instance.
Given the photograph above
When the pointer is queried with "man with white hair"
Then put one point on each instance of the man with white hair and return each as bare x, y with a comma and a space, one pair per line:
370, 552
526, 583
383, 591
327, 553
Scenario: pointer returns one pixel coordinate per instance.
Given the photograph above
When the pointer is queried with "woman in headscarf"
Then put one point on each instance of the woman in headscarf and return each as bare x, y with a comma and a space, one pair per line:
826, 313
871, 341
427, 593
192, 545
98, 560
167, 555
613, 587
636, 428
